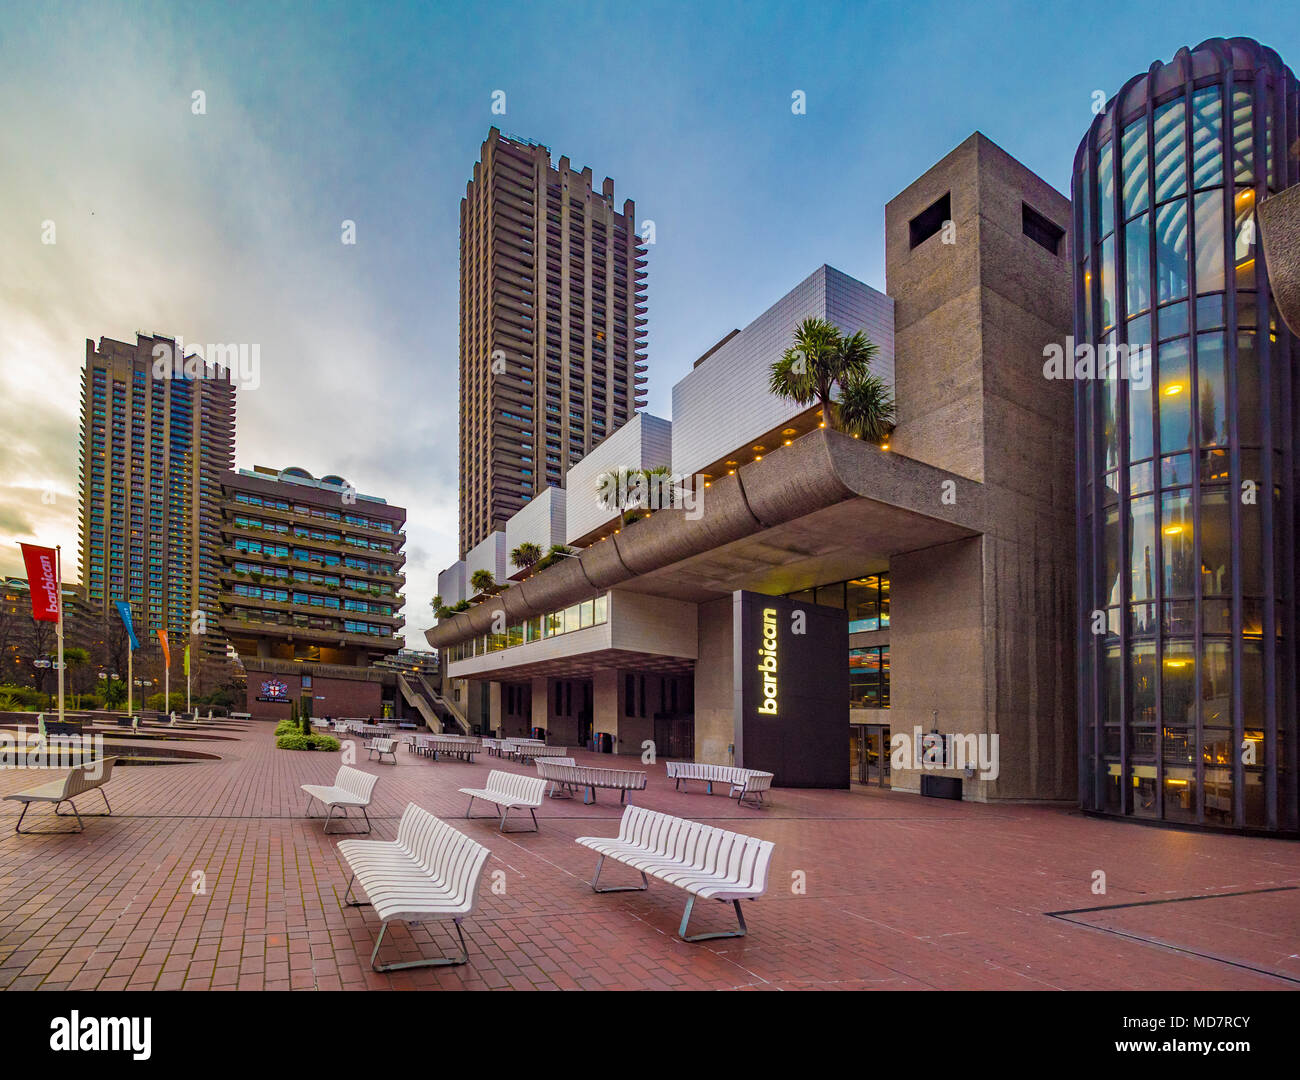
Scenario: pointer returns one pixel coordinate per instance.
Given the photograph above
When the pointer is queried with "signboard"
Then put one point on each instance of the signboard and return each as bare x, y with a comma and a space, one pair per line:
792, 690
273, 690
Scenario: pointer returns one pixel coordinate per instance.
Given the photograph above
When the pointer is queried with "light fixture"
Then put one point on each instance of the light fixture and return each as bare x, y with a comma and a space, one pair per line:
1173, 388
758, 457
1173, 530
789, 431
787, 442
758, 448
884, 446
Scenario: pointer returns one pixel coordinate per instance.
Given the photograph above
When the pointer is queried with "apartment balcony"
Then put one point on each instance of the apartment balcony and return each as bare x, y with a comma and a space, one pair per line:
234, 626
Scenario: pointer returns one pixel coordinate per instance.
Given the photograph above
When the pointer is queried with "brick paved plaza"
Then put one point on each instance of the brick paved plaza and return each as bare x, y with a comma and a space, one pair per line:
901, 892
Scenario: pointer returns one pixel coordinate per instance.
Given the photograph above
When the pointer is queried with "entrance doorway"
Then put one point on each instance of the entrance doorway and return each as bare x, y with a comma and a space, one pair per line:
869, 754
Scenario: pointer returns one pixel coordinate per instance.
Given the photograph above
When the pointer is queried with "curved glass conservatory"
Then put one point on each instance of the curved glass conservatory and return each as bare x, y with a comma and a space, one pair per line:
1187, 448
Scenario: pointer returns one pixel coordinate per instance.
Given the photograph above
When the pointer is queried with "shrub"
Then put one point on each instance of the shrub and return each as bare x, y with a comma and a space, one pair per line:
286, 727
296, 740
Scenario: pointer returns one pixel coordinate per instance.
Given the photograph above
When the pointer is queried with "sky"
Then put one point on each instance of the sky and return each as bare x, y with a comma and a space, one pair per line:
227, 225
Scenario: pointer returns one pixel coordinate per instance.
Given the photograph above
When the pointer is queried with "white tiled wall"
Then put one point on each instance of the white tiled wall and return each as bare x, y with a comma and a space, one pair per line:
644, 442
725, 401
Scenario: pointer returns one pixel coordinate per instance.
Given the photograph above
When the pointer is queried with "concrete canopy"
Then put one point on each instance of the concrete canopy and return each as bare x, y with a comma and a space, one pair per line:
827, 507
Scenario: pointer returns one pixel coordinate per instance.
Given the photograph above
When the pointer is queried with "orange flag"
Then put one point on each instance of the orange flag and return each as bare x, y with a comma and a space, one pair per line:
167, 653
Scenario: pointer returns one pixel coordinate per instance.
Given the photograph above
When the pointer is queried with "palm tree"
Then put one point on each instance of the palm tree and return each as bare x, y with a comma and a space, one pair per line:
823, 359
808, 370
482, 581
525, 555
556, 553
866, 407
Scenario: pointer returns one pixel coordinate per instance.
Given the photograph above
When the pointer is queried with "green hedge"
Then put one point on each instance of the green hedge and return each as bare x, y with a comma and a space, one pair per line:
295, 740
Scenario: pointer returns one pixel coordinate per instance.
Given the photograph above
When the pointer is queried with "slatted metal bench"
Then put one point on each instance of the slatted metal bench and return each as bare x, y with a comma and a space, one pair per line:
590, 777
743, 783
710, 863
92, 776
461, 746
382, 747
430, 872
492, 747
513, 748
507, 791
351, 787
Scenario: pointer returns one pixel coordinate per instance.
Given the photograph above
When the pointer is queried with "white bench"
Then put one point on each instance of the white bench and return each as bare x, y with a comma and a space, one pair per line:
492, 746
237, 716
507, 790
91, 776
351, 787
743, 782
590, 777
710, 863
382, 747
512, 747
431, 871
461, 746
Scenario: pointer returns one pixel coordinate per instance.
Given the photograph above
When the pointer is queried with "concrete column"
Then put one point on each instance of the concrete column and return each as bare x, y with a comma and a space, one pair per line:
541, 701
496, 713
606, 712
715, 689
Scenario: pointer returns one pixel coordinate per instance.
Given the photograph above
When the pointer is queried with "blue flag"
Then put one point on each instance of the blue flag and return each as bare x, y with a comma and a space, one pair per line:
125, 612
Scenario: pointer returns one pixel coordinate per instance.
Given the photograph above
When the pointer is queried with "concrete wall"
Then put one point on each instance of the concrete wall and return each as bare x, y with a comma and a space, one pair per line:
972, 319
715, 688
653, 624
724, 401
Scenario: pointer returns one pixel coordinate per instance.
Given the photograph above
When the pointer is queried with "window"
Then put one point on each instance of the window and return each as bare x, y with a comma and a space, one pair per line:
1047, 234
930, 221
869, 678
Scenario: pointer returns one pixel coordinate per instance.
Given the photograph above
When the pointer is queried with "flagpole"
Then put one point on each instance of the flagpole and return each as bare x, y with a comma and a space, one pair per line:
167, 681
58, 573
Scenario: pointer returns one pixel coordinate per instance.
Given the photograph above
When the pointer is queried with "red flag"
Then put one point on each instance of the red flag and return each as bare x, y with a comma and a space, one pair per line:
42, 581
167, 653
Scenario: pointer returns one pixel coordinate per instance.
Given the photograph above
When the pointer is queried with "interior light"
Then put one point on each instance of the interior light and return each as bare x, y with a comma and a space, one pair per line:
1173, 388
1173, 530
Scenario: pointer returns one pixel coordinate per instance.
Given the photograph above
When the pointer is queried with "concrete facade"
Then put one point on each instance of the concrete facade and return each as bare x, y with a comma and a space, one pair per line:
972, 319
968, 513
552, 326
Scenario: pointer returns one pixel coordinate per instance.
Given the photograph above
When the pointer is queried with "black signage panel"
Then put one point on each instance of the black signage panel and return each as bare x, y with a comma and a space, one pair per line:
792, 679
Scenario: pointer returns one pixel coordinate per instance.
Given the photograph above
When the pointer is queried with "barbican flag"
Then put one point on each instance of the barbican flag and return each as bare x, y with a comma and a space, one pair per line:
167, 652
187, 659
124, 610
42, 581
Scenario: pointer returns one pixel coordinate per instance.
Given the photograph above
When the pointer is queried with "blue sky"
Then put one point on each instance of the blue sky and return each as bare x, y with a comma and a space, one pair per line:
226, 227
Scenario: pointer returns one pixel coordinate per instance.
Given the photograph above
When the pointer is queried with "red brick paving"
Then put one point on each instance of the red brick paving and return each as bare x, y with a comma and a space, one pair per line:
901, 893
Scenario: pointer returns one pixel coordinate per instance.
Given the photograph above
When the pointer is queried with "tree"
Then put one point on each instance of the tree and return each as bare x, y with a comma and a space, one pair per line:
822, 360
525, 555
482, 581
114, 694
867, 407
556, 553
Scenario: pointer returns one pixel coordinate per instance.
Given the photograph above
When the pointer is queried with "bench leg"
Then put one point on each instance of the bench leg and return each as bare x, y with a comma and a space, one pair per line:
19, 822
595, 882
346, 895
686, 917
442, 961
589, 796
